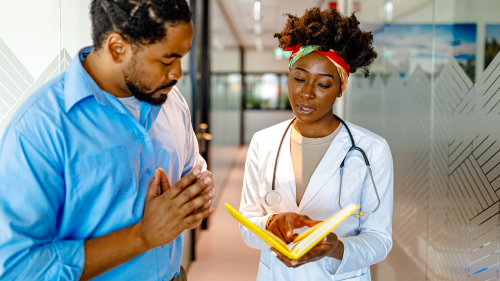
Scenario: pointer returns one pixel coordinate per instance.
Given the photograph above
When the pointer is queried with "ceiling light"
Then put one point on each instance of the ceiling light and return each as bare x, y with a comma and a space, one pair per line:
388, 8
256, 11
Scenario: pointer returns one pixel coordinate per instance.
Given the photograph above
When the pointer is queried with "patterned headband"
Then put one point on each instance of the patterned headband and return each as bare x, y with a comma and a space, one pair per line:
299, 51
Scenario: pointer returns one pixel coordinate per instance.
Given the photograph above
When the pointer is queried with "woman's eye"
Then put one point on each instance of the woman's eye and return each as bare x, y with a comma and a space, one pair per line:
299, 80
166, 64
324, 86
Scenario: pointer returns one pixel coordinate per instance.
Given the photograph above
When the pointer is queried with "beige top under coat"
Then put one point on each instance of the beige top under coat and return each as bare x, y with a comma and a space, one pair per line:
306, 156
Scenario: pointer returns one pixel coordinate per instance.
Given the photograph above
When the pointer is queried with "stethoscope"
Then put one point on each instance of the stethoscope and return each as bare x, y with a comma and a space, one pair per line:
273, 197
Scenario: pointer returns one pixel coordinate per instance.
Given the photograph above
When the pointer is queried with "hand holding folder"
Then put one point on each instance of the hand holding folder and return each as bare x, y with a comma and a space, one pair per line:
302, 243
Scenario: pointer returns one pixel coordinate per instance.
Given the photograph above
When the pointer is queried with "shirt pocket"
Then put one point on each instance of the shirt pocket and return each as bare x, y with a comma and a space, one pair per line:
104, 178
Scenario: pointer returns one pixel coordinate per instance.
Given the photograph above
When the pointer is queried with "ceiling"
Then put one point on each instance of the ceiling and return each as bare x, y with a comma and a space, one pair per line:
233, 25
248, 31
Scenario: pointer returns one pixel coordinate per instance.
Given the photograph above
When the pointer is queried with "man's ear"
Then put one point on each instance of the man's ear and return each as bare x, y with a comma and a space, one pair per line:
117, 47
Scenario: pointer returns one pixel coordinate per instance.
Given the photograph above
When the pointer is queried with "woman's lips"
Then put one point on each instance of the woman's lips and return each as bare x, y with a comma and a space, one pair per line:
305, 109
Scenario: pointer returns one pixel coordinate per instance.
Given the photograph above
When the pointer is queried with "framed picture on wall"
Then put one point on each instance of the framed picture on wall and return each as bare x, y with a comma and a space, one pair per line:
492, 44
404, 47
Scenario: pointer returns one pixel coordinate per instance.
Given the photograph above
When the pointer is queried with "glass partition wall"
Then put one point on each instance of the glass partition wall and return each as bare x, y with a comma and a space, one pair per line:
266, 91
433, 95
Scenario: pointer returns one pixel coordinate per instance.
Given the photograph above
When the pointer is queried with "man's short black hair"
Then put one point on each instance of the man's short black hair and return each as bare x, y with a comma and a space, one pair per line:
139, 22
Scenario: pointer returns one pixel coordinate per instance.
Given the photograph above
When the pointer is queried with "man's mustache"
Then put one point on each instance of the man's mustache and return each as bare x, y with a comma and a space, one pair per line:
170, 84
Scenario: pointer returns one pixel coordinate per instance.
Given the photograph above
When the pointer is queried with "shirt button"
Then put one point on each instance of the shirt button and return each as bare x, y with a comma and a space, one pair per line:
143, 137
164, 278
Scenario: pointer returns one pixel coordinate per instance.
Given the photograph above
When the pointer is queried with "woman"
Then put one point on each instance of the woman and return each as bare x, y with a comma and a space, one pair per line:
325, 47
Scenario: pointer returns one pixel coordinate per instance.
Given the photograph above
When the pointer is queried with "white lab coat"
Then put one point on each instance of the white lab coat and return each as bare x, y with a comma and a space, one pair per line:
367, 240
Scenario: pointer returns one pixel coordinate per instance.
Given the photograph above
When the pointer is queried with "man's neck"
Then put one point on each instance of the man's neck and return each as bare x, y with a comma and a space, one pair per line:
98, 67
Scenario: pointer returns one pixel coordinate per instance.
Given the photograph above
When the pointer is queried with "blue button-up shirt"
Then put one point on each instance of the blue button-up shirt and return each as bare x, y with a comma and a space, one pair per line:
74, 165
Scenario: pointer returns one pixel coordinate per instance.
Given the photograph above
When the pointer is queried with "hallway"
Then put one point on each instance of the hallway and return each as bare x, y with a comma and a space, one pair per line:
221, 254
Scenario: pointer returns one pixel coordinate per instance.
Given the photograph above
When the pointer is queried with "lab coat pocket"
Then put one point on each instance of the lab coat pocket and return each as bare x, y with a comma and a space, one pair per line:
364, 277
264, 271
104, 178
353, 177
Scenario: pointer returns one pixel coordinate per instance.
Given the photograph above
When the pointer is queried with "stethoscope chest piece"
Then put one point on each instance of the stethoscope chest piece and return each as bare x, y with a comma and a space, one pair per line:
273, 198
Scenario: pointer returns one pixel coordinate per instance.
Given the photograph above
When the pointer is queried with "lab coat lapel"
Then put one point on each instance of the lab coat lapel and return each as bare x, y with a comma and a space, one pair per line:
328, 165
285, 177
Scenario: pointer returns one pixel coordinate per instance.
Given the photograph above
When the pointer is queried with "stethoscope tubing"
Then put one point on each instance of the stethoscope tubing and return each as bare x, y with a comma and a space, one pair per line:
374, 188
353, 147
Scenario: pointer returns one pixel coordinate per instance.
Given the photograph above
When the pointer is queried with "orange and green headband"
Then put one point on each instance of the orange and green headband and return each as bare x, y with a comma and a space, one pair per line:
299, 51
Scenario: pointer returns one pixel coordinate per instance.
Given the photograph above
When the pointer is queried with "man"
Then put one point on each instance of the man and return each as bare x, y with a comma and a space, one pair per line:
84, 162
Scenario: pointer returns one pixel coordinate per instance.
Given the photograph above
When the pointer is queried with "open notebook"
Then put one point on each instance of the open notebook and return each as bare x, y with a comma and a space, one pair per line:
305, 241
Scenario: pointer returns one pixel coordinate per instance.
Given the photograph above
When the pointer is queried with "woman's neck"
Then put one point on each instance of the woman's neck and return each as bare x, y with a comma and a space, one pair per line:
318, 129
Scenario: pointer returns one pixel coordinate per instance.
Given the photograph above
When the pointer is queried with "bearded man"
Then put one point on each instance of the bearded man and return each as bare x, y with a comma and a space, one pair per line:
87, 161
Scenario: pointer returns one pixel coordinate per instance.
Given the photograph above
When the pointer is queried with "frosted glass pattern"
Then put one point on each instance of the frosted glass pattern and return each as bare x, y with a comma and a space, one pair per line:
444, 136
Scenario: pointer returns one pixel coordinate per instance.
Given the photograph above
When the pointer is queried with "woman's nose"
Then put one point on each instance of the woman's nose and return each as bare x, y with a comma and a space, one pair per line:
308, 92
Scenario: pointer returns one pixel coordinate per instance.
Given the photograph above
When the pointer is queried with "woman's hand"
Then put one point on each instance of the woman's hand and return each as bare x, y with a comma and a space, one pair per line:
331, 247
282, 225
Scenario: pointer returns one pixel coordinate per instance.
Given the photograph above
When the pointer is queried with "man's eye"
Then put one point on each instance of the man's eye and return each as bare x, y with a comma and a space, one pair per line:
299, 80
166, 64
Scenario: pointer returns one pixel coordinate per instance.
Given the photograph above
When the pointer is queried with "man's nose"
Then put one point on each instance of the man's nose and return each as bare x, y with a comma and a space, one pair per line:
175, 72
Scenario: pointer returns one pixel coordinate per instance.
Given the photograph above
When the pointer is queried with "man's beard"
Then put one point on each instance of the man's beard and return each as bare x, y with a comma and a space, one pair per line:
140, 91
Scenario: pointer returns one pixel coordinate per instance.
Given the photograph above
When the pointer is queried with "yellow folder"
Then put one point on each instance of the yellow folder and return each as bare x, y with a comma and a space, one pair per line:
305, 241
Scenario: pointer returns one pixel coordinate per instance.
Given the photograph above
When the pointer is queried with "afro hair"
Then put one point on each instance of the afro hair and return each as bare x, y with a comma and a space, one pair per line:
331, 31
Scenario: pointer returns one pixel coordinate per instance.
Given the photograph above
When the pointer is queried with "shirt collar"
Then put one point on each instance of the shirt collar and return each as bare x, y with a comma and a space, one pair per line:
79, 85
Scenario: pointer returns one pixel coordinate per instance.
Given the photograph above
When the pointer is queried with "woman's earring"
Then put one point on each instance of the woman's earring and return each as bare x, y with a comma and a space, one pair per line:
340, 95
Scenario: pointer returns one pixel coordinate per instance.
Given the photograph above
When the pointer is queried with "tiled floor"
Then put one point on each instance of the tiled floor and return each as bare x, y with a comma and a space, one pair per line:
221, 253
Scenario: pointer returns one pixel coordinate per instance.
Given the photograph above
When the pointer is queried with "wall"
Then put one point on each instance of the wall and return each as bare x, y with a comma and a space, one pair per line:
264, 62
441, 123
225, 61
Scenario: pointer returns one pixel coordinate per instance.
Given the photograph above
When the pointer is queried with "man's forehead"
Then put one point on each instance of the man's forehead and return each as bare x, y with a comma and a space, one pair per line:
167, 50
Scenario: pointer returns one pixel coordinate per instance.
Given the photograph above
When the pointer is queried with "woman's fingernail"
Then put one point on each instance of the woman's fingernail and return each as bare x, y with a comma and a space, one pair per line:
274, 254
207, 180
196, 172
289, 234
294, 262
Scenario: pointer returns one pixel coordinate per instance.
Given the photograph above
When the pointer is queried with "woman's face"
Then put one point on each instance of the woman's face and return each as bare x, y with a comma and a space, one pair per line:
313, 87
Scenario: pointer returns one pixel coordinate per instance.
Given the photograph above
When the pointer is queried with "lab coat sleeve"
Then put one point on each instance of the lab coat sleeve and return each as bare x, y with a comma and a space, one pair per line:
32, 191
374, 240
251, 206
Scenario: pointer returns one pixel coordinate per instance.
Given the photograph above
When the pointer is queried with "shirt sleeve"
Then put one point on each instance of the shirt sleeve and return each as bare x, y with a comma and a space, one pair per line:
32, 193
193, 151
374, 240
251, 205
